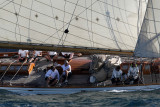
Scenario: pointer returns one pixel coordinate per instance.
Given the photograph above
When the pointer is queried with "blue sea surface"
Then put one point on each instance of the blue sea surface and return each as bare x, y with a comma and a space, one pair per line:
83, 99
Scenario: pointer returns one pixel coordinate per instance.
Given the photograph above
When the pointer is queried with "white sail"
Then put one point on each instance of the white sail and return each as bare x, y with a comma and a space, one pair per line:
148, 44
95, 24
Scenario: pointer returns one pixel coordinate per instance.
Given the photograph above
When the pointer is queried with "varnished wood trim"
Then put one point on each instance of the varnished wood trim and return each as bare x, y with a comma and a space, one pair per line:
61, 48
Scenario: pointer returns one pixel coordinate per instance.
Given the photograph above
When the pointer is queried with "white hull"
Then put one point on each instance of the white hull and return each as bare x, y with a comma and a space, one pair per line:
42, 91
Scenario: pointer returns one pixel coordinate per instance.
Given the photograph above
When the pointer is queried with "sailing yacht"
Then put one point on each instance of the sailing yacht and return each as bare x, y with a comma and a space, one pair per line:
114, 27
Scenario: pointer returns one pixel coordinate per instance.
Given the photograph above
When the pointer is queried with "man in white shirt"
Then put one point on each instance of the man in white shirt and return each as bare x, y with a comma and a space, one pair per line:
50, 55
66, 71
116, 75
22, 55
133, 73
36, 55
52, 76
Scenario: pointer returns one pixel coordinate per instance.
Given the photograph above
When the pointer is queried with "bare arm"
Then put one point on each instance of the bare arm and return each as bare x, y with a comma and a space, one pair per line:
27, 54
71, 55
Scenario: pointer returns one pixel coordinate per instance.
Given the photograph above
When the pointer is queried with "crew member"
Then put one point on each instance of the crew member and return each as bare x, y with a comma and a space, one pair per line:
52, 76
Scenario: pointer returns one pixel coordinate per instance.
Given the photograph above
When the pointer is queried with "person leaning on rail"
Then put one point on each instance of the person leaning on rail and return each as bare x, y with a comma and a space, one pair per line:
36, 56
50, 55
68, 55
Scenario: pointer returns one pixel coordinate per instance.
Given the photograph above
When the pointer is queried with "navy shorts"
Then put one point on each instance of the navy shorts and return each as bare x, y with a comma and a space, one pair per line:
69, 75
52, 56
52, 80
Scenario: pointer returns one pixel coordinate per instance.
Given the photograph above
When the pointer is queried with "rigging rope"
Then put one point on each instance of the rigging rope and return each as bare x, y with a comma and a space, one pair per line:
92, 26
72, 14
54, 19
29, 39
88, 25
17, 16
138, 21
110, 26
7, 69
151, 71
141, 71
3, 2
66, 31
64, 13
16, 72
63, 22
6, 4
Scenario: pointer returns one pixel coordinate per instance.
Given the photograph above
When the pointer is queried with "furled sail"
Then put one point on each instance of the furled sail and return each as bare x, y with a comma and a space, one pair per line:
101, 25
148, 44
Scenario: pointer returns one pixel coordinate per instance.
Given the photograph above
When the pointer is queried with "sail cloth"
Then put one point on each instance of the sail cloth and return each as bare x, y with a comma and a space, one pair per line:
148, 44
95, 24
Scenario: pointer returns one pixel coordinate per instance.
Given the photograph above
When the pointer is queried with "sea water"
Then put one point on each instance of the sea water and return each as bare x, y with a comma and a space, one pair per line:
83, 99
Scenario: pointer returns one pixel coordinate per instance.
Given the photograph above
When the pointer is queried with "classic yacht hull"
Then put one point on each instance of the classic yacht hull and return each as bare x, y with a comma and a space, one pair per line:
42, 91
79, 82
